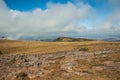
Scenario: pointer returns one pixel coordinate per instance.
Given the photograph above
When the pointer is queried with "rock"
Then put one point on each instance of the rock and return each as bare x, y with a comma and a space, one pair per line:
24, 66
109, 63
98, 68
65, 74
68, 67
82, 73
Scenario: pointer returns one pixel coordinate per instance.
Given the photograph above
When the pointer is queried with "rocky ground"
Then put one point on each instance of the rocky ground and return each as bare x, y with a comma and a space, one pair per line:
69, 65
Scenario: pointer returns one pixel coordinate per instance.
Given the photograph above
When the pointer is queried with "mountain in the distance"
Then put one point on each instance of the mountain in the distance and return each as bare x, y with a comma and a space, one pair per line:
69, 39
112, 39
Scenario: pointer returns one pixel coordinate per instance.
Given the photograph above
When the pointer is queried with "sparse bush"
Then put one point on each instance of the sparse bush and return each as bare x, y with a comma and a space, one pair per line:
1, 52
22, 76
83, 49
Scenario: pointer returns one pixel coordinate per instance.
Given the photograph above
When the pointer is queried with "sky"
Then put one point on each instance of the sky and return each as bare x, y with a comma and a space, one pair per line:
45, 19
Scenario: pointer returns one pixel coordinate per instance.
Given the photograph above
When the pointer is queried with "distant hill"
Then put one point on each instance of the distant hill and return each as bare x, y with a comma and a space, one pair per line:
46, 40
112, 39
69, 39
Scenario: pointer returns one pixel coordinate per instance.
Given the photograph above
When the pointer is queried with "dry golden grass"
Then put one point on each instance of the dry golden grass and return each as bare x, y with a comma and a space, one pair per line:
9, 46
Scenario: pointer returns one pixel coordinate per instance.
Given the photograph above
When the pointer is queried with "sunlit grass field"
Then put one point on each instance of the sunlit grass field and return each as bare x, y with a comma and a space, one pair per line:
12, 46
90, 65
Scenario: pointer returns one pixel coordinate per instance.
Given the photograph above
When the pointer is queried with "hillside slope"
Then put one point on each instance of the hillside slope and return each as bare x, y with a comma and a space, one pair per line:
69, 39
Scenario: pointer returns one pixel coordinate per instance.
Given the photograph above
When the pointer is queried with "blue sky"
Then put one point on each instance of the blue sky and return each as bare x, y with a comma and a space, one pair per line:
28, 5
102, 6
53, 18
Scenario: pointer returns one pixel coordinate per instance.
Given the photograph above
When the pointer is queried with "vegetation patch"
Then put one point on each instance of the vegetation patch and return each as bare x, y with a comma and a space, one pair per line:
22, 76
1, 52
83, 49
69, 39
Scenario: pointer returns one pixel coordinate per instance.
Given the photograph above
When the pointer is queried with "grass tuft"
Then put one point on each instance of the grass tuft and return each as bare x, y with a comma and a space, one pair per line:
83, 49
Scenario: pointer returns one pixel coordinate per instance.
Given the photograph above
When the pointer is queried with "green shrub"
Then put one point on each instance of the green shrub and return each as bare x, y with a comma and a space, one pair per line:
83, 49
22, 76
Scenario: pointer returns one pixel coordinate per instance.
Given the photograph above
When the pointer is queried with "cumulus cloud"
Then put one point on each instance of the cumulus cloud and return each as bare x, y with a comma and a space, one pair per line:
114, 1
56, 19
110, 26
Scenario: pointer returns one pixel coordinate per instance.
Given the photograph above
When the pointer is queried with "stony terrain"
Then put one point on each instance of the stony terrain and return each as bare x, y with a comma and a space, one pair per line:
71, 65
59, 60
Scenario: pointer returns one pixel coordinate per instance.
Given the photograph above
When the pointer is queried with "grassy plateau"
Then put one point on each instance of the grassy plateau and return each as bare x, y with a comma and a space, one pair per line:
35, 60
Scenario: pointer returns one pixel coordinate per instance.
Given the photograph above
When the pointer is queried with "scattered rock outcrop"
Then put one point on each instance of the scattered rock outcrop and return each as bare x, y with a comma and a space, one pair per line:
36, 66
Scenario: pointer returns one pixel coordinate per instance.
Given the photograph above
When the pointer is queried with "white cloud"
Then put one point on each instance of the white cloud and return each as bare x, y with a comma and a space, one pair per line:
58, 18
2, 5
114, 1
110, 26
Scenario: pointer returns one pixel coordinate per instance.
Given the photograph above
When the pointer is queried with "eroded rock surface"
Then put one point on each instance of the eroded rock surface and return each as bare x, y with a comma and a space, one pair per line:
36, 66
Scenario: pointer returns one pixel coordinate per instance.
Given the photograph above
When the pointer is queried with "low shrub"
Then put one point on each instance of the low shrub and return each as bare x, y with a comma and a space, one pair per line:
83, 49
1, 52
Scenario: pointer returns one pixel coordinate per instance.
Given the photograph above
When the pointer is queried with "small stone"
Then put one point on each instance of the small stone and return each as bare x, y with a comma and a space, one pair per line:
98, 68
108, 63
